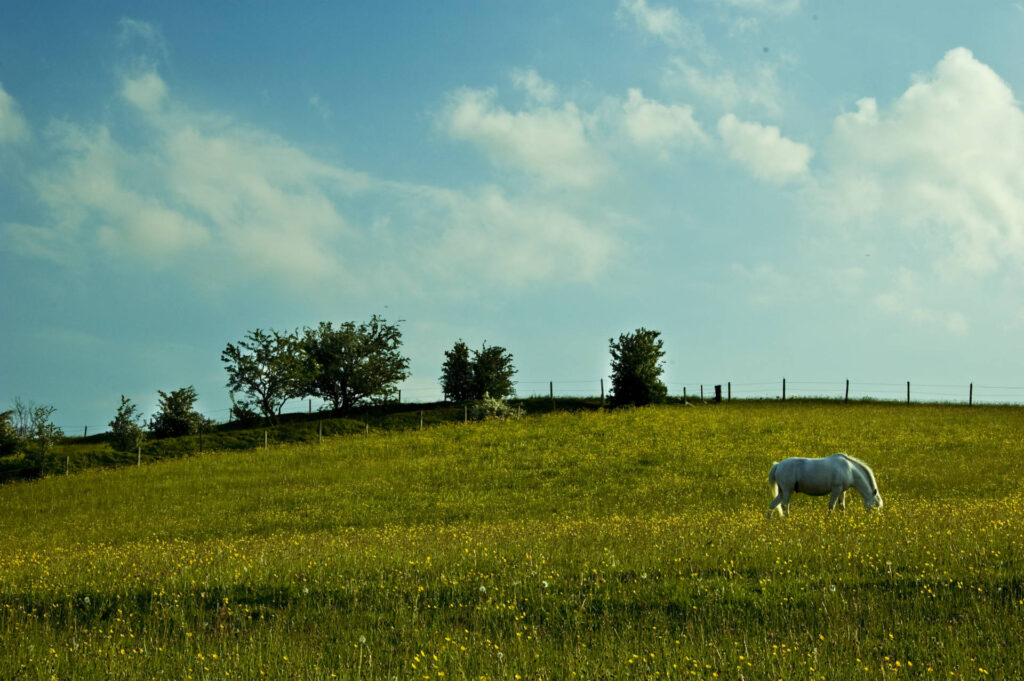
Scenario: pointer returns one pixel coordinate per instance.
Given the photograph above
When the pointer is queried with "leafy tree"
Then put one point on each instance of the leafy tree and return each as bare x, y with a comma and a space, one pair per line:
636, 368
269, 367
177, 416
11, 441
126, 432
457, 374
493, 372
242, 410
355, 364
43, 434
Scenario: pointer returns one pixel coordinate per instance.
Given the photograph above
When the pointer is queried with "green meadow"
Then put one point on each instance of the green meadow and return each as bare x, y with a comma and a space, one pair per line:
626, 544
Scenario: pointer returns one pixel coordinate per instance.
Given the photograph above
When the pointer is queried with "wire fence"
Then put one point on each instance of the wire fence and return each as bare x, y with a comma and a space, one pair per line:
783, 388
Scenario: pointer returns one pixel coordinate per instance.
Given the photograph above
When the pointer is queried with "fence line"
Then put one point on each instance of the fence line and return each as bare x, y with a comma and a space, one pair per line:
845, 389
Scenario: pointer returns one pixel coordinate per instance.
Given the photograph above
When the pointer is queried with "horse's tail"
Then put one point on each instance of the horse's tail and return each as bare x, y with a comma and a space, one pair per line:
771, 479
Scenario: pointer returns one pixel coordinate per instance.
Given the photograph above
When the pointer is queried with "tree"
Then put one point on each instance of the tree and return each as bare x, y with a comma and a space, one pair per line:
126, 433
492, 372
457, 374
355, 364
11, 441
177, 416
270, 367
636, 368
44, 434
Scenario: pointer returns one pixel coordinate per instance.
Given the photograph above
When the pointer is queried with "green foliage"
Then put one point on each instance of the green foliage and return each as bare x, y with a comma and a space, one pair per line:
355, 364
11, 441
637, 368
270, 368
126, 432
242, 410
457, 374
492, 372
43, 435
493, 408
176, 416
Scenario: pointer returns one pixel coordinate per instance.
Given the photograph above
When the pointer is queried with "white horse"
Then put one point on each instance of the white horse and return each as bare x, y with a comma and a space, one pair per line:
829, 475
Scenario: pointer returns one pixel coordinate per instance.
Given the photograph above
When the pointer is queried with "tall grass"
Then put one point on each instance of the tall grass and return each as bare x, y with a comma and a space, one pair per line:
630, 544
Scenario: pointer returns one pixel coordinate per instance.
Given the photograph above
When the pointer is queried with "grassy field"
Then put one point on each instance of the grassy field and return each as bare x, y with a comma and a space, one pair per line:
609, 545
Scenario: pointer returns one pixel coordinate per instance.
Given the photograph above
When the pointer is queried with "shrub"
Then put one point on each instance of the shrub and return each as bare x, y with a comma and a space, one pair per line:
176, 416
126, 433
11, 441
489, 407
637, 368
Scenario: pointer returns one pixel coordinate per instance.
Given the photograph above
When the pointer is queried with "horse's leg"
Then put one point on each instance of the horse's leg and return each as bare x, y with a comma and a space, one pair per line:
785, 502
775, 504
837, 494
842, 500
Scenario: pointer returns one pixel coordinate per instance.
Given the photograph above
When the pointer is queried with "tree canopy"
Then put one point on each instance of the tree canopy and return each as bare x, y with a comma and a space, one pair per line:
355, 364
270, 367
637, 368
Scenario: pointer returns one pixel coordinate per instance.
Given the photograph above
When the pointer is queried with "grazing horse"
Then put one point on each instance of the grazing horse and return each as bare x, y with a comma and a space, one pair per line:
829, 475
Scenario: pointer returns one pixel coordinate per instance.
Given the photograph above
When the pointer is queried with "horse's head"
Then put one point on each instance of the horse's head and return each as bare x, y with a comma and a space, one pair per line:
874, 501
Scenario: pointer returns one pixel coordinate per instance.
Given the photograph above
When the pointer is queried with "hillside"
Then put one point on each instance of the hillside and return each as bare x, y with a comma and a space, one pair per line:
627, 544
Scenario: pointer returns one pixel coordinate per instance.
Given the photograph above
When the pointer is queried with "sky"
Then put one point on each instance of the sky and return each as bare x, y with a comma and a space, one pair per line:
805, 189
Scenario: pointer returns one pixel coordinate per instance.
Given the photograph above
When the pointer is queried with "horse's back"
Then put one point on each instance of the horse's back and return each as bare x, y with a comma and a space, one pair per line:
814, 476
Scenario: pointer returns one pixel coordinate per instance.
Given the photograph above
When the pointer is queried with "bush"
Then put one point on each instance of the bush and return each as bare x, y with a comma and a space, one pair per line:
636, 368
489, 407
126, 433
11, 441
177, 416
457, 374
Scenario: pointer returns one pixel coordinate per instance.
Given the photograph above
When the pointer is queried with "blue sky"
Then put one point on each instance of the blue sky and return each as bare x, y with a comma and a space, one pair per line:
799, 188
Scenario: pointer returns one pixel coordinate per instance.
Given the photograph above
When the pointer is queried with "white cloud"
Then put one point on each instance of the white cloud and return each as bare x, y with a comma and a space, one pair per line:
947, 155
205, 193
723, 88
320, 107
763, 150
13, 127
536, 88
515, 241
766, 284
653, 124
548, 143
146, 91
665, 23
98, 187
770, 6
902, 300
143, 39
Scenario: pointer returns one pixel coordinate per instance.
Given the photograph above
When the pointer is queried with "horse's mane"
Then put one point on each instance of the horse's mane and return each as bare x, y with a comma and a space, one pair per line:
866, 468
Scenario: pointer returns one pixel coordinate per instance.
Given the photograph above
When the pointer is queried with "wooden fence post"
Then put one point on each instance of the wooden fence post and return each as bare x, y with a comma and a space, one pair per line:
265, 440
86, 434
729, 394
970, 396
465, 413
718, 394
846, 398
602, 392
551, 393
684, 394
139, 461
421, 419
67, 465
399, 395
701, 392
783, 390
908, 392
320, 431
200, 440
